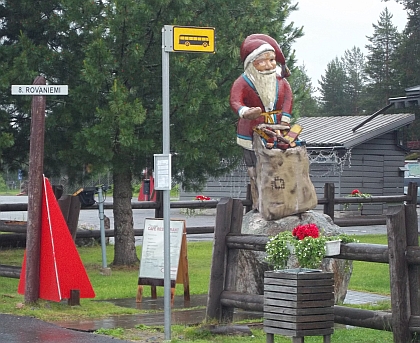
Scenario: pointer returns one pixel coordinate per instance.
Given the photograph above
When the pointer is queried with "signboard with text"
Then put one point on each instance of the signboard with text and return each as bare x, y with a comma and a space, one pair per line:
40, 90
152, 262
163, 172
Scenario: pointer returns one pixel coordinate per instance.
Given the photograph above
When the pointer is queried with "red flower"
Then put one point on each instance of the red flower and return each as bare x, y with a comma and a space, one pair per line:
202, 197
307, 230
355, 191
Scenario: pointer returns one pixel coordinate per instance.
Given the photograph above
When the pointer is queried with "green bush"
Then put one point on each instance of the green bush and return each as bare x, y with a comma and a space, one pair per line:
412, 156
3, 186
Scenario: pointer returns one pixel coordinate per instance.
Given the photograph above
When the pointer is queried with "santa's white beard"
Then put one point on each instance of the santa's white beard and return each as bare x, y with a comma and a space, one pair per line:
265, 84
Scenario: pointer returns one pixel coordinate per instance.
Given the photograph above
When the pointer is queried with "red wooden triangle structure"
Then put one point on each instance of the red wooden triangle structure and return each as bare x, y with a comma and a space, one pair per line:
61, 268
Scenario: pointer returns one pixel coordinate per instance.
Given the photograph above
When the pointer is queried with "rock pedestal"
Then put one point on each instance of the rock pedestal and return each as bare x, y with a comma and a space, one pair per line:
252, 264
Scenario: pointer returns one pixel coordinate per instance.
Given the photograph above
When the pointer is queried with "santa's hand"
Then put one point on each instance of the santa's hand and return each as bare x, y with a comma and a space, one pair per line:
252, 113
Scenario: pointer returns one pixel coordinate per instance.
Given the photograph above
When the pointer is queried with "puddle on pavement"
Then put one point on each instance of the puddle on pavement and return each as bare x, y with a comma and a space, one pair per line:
158, 304
182, 313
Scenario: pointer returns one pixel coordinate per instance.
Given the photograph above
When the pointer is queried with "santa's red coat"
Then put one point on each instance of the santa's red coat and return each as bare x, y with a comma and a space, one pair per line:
243, 93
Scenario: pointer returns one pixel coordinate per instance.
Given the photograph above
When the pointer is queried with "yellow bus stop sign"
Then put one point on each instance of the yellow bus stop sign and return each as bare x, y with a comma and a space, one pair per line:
193, 39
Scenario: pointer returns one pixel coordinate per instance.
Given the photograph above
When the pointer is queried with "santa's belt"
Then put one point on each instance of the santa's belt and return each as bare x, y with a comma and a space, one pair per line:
267, 116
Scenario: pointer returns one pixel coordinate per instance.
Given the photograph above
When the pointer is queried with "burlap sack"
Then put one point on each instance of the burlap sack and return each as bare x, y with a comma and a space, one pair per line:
283, 182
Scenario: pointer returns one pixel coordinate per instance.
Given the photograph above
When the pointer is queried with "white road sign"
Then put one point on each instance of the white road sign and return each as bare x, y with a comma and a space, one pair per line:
40, 90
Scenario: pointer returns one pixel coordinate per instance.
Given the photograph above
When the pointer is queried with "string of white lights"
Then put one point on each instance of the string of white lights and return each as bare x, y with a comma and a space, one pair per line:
331, 160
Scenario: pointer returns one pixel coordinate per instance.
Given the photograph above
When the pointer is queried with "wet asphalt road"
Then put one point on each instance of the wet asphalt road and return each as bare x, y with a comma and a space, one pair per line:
15, 329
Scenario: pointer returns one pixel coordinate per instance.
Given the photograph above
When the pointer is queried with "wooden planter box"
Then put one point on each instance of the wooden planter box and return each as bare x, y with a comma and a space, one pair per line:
298, 303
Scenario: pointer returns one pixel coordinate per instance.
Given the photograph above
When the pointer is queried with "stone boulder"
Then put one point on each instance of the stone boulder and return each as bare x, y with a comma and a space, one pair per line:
252, 264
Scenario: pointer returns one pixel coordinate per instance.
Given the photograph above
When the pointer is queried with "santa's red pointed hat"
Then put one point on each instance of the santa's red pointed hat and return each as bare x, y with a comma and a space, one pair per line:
256, 44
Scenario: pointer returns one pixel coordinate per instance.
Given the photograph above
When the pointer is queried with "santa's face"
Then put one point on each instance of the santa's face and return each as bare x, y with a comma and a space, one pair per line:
262, 73
265, 62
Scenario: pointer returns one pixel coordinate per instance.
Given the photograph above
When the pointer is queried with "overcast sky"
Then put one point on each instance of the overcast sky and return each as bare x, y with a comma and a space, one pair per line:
333, 26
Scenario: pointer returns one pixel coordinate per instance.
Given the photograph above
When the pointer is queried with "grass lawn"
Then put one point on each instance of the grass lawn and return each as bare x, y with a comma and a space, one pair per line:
368, 276
122, 283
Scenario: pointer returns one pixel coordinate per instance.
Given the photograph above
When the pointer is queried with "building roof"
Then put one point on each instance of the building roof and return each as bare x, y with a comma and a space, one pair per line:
335, 132
414, 89
411, 98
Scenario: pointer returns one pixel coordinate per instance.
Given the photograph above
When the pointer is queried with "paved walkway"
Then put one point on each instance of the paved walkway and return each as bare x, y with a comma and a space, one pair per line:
358, 298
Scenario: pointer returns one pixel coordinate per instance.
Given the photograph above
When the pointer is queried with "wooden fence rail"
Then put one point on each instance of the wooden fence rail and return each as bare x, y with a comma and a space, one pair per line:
402, 254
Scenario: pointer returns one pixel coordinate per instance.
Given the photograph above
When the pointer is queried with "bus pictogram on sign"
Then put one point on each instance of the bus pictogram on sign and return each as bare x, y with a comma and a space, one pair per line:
194, 40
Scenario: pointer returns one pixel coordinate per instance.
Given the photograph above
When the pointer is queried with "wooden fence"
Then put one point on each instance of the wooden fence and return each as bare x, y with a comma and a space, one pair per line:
402, 254
329, 202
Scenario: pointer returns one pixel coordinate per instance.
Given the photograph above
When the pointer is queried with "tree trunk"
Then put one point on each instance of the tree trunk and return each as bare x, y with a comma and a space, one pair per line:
124, 250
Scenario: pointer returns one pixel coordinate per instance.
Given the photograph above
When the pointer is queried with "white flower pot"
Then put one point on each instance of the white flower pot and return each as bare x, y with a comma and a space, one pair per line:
291, 248
332, 248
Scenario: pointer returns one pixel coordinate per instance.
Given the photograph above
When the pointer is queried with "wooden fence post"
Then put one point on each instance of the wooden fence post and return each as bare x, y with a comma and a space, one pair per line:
159, 201
411, 224
398, 271
329, 194
232, 258
248, 197
412, 192
70, 208
218, 265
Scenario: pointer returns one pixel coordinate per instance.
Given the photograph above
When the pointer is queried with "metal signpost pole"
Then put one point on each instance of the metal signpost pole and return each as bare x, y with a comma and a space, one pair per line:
180, 39
102, 227
166, 193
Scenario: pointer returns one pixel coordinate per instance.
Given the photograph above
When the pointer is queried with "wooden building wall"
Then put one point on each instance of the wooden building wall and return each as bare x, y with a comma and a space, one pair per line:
375, 169
232, 185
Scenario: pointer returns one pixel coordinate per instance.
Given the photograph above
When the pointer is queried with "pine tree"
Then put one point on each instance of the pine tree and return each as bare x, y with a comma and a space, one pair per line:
27, 27
334, 100
408, 55
305, 104
354, 65
408, 59
380, 65
343, 84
